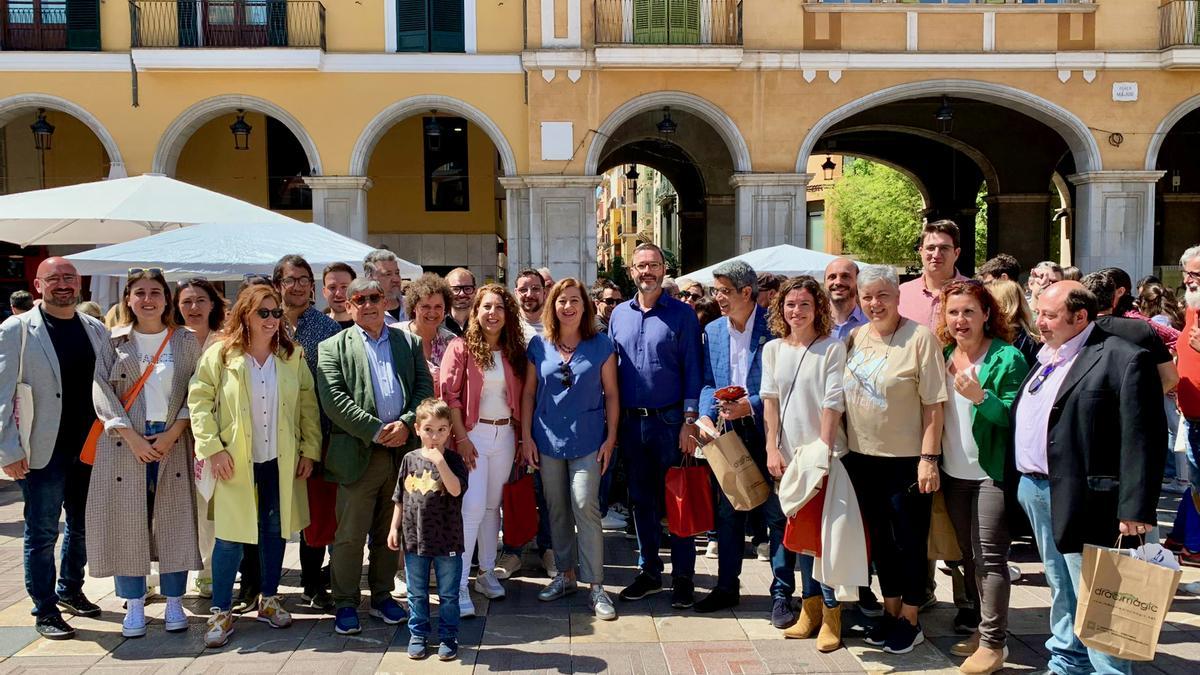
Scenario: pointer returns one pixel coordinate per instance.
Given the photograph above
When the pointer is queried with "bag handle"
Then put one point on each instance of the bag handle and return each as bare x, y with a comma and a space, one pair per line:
136, 389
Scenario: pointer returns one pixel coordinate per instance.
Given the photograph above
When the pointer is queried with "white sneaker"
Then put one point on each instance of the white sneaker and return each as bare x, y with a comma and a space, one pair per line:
613, 521
174, 618
401, 590
710, 551
488, 586
764, 551
507, 565
550, 564
134, 624
466, 608
1175, 486
602, 606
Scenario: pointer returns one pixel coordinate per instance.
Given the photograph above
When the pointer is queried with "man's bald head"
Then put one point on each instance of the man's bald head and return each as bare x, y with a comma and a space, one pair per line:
841, 280
58, 283
56, 263
1064, 310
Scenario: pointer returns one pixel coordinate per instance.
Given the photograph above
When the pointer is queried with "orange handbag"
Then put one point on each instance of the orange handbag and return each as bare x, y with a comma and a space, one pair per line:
88, 454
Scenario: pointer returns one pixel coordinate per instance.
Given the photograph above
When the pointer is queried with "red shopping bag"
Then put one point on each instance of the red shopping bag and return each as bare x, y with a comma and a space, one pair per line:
519, 505
689, 499
803, 531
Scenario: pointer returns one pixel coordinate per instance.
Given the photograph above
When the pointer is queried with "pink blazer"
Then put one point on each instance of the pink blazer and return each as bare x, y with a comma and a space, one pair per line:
462, 384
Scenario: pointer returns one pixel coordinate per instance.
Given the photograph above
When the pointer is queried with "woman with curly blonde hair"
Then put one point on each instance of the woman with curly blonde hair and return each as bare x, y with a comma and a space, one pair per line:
481, 378
1013, 307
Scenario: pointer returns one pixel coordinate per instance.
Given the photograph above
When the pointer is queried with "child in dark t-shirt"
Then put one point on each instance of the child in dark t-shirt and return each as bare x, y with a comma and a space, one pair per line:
428, 520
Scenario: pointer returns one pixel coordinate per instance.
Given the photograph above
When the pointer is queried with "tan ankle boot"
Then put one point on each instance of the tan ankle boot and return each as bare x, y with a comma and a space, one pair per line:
985, 660
809, 621
830, 637
966, 647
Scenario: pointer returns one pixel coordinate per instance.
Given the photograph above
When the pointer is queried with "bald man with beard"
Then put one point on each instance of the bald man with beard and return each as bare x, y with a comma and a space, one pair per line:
59, 355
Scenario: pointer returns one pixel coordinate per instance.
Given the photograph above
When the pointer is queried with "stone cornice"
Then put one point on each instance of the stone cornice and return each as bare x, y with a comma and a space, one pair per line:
339, 182
1118, 176
769, 179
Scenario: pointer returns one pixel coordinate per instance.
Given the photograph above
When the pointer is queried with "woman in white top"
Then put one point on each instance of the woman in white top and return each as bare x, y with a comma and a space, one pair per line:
482, 374
802, 386
141, 503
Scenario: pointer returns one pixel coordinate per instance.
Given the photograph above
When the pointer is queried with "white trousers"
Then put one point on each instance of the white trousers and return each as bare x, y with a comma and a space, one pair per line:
206, 534
497, 447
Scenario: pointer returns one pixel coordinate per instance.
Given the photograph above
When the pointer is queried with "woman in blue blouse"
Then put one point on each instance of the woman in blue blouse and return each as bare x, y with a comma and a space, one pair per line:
569, 419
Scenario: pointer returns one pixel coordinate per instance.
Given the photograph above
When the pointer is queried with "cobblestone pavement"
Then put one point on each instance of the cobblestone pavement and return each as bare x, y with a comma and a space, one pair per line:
520, 634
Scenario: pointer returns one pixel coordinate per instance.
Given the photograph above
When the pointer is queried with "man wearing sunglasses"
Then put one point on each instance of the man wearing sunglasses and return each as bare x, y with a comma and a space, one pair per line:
383, 266
606, 295
370, 380
1089, 414
56, 347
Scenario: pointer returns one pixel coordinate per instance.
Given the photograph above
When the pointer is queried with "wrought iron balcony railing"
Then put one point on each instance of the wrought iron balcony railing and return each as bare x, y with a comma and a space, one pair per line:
1178, 24
668, 22
227, 23
947, 2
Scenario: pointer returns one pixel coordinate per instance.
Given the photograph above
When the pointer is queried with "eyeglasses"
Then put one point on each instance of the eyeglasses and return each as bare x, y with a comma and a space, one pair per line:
302, 282
263, 313
372, 299
648, 267
568, 378
1191, 275
688, 295
1040, 379
466, 289
718, 291
150, 271
609, 301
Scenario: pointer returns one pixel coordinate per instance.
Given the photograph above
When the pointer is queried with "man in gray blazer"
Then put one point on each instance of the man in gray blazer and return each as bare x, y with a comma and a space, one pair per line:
59, 360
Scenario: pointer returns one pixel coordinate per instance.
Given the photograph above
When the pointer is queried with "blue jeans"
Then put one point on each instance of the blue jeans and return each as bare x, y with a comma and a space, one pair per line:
1068, 656
811, 587
61, 485
174, 584
731, 528
650, 446
448, 570
227, 555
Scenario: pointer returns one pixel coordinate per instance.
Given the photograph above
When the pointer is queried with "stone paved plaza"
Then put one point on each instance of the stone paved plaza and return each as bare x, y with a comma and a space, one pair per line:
520, 634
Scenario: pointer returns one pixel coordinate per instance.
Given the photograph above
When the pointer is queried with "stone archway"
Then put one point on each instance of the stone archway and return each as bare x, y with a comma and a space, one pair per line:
14, 105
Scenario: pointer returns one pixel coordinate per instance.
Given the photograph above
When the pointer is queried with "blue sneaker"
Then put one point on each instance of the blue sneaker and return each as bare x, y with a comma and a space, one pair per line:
416, 647
390, 611
448, 650
345, 622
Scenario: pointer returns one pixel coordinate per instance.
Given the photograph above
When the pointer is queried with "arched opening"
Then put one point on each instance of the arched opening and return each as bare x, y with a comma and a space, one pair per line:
1177, 193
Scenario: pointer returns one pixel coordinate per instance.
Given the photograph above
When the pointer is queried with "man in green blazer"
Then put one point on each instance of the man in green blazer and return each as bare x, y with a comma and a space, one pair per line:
370, 379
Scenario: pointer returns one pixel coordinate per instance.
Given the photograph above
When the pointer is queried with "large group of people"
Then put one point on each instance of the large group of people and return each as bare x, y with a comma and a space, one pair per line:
191, 436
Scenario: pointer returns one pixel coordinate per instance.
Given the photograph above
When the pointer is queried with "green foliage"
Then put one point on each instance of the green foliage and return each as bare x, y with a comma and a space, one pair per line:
981, 225
878, 212
619, 274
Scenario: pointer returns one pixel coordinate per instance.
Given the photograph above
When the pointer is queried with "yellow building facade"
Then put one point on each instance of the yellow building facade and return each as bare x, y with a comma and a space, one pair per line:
455, 131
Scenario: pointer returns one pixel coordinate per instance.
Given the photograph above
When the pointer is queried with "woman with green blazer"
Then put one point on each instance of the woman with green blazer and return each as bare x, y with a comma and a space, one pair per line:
983, 375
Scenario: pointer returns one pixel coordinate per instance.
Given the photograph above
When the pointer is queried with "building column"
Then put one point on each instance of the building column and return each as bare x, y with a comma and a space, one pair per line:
340, 203
771, 209
1114, 220
552, 223
1019, 225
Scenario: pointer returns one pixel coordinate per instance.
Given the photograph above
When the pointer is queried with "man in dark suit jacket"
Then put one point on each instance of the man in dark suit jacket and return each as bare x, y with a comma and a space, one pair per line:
1087, 454
370, 379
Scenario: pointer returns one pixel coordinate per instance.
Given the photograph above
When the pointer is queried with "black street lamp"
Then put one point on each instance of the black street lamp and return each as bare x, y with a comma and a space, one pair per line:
433, 132
42, 130
944, 116
241, 131
828, 166
667, 126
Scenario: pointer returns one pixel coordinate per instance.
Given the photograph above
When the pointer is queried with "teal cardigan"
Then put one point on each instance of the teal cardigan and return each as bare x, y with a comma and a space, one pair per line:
1001, 374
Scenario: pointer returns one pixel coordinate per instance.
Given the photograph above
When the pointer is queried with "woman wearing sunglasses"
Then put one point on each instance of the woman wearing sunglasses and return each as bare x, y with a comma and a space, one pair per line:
262, 449
481, 377
569, 415
141, 504
983, 375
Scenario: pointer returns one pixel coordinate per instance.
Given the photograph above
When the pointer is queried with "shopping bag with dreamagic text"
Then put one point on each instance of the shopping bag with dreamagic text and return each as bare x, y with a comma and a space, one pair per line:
1123, 602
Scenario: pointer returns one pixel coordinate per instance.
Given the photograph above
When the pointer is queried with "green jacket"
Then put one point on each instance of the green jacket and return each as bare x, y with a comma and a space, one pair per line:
348, 397
1001, 374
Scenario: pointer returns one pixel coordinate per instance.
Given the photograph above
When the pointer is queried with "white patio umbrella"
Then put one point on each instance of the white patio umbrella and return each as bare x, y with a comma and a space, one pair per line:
228, 251
118, 210
784, 259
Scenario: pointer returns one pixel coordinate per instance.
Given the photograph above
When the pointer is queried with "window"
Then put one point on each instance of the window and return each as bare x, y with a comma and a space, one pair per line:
447, 181
46, 24
816, 225
661, 22
429, 26
286, 164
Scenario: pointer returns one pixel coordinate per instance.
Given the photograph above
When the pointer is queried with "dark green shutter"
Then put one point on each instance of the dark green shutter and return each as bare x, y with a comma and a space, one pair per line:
684, 22
186, 16
650, 22
83, 25
277, 23
446, 25
412, 26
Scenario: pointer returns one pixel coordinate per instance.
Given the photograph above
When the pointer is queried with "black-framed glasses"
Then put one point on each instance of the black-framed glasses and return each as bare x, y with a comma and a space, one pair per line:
371, 299
1036, 385
151, 271
609, 301
302, 282
688, 295
568, 378
465, 289
263, 313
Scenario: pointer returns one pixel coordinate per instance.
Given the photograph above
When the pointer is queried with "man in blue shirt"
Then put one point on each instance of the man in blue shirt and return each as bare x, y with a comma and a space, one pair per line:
841, 283
658, 356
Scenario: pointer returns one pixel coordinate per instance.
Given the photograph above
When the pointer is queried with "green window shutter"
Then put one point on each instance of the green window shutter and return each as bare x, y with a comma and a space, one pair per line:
185, 21
83, 25
684, 22
412, 26
446, 25
277, 23
650, 22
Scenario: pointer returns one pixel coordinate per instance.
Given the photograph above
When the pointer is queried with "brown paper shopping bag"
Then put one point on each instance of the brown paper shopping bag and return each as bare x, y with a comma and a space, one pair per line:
1122, 602
736, 472
943, 541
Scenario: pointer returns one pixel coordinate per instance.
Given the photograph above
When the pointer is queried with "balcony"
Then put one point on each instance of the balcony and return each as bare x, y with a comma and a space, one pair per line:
49, 25
227, 24
668, 22
948, 2
1177, 24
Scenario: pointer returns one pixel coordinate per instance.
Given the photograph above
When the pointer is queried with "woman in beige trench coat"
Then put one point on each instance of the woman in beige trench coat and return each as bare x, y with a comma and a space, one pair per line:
141, 503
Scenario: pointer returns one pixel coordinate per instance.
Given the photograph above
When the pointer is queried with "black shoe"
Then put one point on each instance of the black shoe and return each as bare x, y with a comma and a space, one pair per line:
79, 605
246, 601
683, 593
966, 621
904, 637
717, 600
879, 633
630, 529
326, 577
54, 628
782, 613
642, 586
321, 599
